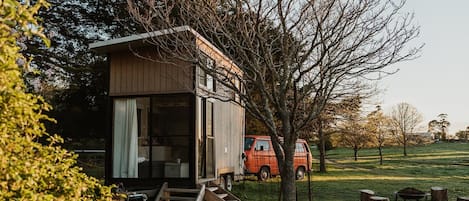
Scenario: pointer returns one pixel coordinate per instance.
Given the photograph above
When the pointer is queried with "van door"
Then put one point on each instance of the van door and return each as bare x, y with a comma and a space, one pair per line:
273, 161
261, 154
301, 155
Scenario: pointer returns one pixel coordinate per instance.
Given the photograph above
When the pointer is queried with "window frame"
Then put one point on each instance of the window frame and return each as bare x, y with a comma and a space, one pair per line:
208, 140
300, 147
206, 80
190, 98
265, 148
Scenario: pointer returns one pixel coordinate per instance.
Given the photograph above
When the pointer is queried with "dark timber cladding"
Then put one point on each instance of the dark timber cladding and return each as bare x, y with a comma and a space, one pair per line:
131, 75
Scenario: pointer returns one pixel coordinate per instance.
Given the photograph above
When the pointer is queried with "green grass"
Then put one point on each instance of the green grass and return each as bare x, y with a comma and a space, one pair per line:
443, 164
92, 164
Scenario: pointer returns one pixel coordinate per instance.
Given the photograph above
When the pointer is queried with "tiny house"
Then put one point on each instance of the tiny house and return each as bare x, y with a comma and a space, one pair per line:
163, 127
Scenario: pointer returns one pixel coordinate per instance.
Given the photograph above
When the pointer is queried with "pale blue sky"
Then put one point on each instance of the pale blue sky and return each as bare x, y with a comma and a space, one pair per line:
438, 81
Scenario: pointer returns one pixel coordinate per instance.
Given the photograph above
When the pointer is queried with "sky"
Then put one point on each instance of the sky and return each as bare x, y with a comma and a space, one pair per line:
438, 81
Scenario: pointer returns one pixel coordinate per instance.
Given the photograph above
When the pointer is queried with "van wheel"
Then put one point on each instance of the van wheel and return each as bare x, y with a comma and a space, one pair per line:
300, 173
228, 182
264, 174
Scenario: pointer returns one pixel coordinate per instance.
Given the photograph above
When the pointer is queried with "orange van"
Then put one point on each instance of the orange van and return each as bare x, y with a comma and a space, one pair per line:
259, 157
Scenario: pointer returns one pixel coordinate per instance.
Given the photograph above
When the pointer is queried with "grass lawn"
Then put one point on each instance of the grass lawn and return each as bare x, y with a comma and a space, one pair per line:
442, 164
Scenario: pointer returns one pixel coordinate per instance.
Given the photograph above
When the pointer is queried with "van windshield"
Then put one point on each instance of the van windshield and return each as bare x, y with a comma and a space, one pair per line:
248, 141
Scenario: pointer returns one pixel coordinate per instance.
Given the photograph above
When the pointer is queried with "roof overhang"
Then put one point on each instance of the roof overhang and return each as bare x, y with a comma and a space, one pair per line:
136, 40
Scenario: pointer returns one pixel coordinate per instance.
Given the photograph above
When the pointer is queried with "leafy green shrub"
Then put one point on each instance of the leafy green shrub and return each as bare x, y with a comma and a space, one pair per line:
29, 169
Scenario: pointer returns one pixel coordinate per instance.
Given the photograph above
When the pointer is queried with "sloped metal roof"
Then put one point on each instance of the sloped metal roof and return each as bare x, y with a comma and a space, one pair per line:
125, 43
137, 39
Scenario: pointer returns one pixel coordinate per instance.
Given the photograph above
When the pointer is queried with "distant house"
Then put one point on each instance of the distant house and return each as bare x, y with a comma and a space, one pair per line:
163, 127
421, 137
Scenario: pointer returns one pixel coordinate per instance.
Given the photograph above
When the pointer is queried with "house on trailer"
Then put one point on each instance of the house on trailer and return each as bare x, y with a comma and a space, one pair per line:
163, 125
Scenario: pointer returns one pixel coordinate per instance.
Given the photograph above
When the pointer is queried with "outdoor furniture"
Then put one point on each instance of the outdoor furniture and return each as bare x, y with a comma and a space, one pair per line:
378, 198
365, 194
439, 193
463, 199
410, 194
137, 197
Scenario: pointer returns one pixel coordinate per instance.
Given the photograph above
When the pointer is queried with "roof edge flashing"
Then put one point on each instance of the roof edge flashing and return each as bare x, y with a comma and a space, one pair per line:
101, 45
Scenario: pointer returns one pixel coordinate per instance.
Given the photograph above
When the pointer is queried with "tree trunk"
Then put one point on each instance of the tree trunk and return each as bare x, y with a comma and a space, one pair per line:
322, 151
285, 157
380, 148
355, 153
439, 194
287, 173
405, 145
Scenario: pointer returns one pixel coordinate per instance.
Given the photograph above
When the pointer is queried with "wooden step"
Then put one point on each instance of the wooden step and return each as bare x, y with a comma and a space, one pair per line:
223, 195
212, 188
211, 196
165, 193
219, 194
182, 190
176, 198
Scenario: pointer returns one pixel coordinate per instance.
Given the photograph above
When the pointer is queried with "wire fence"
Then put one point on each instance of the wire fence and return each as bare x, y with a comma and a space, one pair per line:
92, 161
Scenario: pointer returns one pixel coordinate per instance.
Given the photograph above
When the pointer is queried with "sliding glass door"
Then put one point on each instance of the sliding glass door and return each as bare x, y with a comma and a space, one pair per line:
151, 136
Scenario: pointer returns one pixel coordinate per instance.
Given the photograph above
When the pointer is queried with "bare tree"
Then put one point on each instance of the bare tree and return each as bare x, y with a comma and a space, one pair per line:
355, 136
323, 125
352, 126
326, 123
377, 124
295, 55
405, 118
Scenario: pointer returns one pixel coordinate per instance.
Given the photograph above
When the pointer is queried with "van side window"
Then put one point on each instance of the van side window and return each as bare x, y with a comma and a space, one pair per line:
248, 143
300, 148
262, 145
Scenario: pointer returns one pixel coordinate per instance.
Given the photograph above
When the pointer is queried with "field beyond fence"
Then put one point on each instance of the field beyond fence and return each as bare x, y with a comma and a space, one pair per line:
442, 164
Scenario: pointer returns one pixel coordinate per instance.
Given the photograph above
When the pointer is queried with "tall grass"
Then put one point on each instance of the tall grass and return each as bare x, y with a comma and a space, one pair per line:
442, 164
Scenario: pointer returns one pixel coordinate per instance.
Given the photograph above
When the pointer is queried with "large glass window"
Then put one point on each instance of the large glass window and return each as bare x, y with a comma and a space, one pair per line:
151, 137
171, 116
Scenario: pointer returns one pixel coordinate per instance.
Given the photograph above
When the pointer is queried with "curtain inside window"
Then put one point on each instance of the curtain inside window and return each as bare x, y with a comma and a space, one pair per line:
125, 143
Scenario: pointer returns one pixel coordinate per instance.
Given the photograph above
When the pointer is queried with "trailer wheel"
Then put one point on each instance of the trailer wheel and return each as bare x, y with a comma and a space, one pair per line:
300, 173
228, 182
263, 174
222, 182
